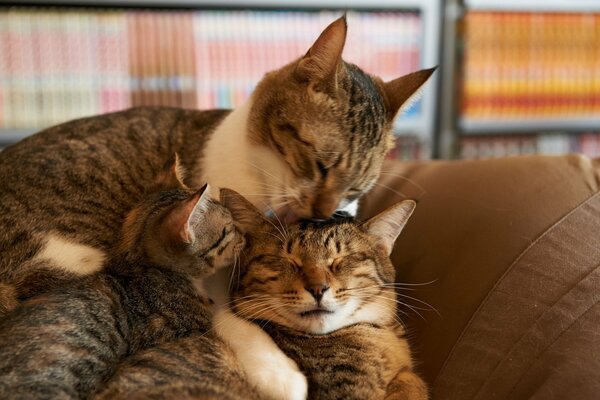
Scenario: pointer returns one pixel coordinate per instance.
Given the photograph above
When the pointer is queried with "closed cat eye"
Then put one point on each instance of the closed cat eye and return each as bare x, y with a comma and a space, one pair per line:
322, 169
335, 265
296, 266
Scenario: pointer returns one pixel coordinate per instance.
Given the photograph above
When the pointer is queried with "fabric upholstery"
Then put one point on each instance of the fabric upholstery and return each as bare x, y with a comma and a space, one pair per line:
474, 220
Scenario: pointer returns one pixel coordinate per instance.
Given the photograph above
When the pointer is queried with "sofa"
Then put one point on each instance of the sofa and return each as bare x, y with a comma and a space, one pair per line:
501, 262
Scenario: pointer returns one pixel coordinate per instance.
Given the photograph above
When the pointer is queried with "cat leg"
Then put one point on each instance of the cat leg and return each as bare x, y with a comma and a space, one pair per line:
406, 385
267, 368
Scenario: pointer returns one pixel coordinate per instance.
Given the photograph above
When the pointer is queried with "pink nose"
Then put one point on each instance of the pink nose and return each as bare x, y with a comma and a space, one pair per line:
317, 291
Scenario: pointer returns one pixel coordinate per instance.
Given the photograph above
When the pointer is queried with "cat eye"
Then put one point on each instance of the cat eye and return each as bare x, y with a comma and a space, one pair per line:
296, 266
335, 265
322, 169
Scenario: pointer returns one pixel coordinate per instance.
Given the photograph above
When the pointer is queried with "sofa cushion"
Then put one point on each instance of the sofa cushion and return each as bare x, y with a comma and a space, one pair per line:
537, 333
473, 220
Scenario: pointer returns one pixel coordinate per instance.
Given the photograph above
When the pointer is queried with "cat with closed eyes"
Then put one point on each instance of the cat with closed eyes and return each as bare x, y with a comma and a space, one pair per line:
67, 343
311, 138
324, 292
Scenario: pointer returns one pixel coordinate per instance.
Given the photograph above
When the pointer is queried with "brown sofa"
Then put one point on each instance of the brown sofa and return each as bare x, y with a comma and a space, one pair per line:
511, 248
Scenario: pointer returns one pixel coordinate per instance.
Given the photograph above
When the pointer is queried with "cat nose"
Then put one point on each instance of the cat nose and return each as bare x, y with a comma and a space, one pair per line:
325, 205
317, 291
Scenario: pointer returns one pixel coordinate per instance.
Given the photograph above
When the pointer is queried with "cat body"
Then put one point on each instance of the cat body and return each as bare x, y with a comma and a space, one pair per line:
354, 363
198, 366
325, 293
66, 343
64, 192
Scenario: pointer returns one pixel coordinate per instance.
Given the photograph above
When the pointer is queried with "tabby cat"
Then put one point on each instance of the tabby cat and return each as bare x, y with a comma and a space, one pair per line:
66, 343
324, 291
311, 138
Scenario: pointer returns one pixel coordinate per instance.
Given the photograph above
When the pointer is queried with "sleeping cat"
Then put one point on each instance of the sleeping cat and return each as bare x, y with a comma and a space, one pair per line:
66, 343
311, 138
324, 291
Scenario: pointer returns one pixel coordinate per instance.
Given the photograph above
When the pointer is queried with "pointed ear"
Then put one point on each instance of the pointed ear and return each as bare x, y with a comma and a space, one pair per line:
387, 225
245, 216
321, 61
400, 90
182, 219
171, 177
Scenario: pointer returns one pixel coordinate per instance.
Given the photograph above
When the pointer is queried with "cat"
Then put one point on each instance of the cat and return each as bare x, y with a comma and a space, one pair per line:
66, 343
324, 291
311, 138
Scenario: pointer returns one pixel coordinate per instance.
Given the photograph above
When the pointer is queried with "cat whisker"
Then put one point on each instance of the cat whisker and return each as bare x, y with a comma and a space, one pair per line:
399, 194
245, 298
215, 326
430, 307
415, 309
411, 284
395, 316
235, 264
257, 310
281, 230
264, 171
412, 182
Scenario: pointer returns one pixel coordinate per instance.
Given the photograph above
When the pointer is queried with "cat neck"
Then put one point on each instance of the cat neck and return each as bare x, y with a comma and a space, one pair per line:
230, 159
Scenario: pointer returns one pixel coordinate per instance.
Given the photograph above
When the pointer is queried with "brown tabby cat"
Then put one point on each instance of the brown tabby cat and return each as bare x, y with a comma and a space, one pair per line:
66, 343
324, 291
311, 138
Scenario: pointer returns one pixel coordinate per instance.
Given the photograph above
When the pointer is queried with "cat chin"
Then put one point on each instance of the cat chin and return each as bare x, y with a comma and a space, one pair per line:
349, 314
322, 323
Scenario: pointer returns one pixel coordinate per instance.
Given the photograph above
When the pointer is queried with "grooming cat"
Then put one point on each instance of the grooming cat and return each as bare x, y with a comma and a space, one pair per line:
311, 138
324, 291
66, 343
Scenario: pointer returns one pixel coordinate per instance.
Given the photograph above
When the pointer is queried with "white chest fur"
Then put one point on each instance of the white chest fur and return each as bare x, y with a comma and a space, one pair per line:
232, 161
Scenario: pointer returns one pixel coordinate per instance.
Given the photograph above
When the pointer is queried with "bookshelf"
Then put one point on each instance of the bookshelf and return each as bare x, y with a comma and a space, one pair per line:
386, 37
520, 78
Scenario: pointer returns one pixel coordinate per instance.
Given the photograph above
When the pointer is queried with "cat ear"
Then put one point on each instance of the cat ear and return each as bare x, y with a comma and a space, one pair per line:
387, 225
247, 217
171, 177
321, 61
400, 90
180, 222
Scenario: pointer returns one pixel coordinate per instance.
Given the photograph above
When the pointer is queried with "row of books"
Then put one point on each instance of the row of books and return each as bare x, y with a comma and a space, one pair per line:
530, 66
479, 147
58, 64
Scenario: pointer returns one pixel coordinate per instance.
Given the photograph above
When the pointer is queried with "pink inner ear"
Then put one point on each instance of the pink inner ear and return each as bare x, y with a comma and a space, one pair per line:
177, 223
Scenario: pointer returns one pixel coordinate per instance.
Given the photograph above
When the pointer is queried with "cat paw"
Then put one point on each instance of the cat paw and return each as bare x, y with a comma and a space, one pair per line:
281, 380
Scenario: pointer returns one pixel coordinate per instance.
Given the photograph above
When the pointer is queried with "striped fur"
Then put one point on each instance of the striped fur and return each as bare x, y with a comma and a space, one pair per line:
66, 343
324, 291
312, 138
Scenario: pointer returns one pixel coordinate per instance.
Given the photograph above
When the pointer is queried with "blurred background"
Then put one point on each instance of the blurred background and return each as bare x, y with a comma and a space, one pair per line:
515, 77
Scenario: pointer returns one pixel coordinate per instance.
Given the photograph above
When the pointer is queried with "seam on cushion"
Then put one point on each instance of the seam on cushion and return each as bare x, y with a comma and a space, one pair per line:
512, 389
533, 324
508, 270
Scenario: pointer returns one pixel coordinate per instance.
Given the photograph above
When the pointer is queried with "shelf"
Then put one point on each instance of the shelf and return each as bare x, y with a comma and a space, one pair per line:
534, 5
471, 127
247, 4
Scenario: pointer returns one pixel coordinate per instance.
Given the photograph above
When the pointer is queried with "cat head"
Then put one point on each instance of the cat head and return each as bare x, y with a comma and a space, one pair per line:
318, 276
328, 125
179, 228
